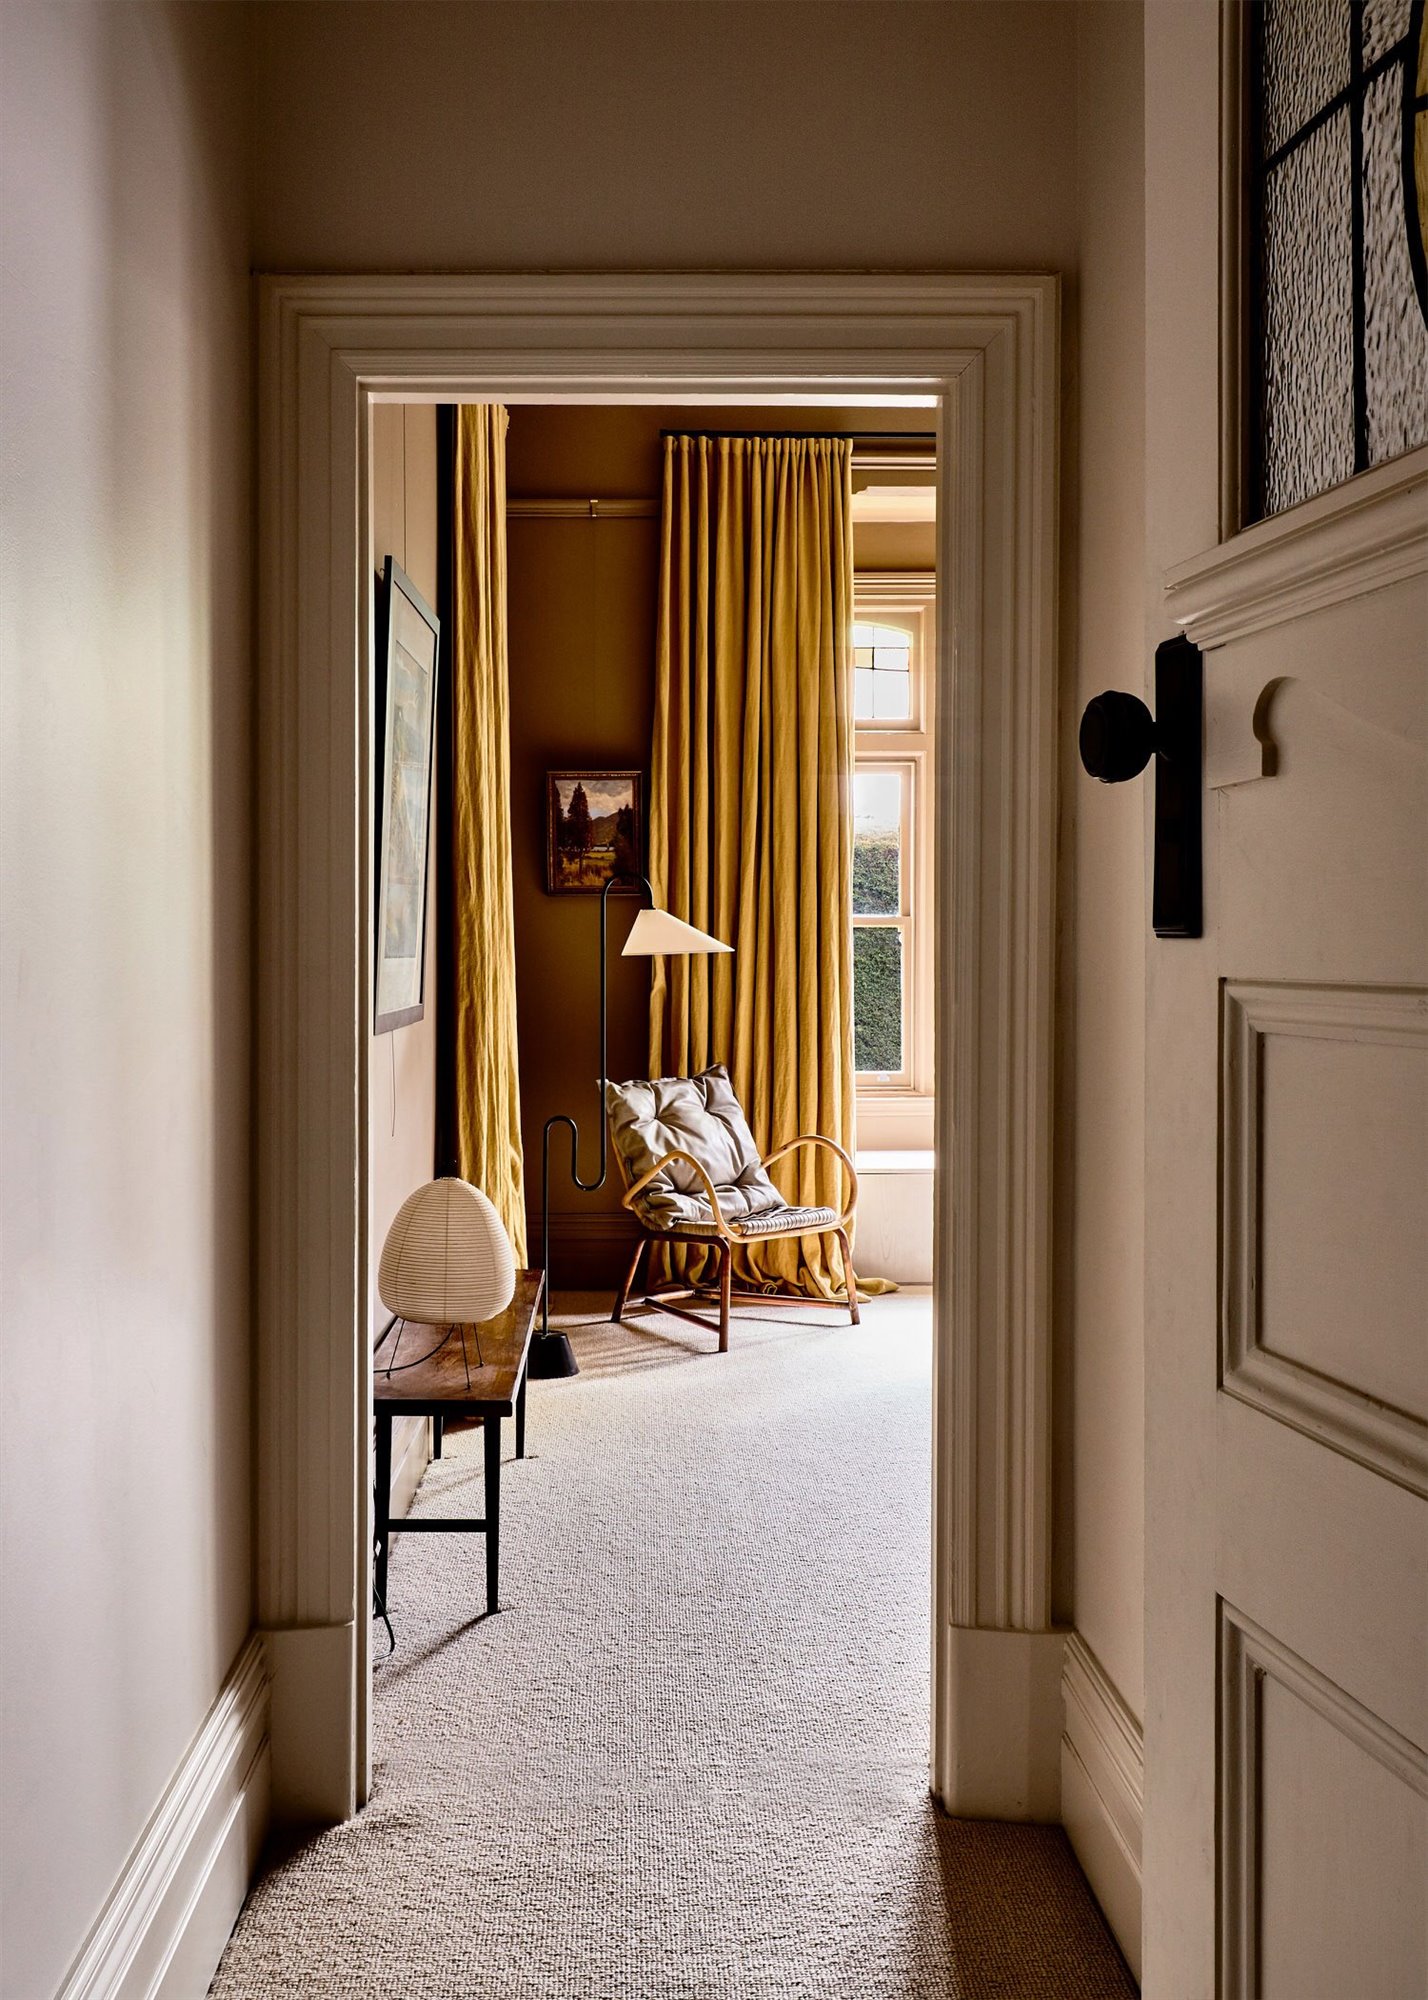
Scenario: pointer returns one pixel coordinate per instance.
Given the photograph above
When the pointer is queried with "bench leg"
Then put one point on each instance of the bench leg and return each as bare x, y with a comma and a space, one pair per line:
491, 1434
850, 1278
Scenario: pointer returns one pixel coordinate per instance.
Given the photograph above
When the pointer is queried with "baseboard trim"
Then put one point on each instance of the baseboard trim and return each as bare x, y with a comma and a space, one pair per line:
1102, 1790
313, 1724
163, 1928
1001, 1724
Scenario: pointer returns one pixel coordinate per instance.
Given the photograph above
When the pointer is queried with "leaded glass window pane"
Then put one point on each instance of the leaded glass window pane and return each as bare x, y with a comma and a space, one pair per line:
1339, 211
1308, 320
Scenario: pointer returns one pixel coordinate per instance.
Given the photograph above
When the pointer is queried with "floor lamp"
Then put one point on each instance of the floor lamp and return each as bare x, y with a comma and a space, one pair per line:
654, 933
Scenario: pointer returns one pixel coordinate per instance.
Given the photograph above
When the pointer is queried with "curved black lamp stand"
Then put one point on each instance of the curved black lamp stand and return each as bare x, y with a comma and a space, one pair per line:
551, 1353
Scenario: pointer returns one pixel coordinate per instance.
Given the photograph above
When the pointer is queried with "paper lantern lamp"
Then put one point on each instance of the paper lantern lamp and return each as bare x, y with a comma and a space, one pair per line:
447, 1259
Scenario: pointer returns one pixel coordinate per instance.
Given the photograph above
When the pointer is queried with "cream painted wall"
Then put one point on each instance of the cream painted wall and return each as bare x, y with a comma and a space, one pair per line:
742, 134
125, 836
1101, 1044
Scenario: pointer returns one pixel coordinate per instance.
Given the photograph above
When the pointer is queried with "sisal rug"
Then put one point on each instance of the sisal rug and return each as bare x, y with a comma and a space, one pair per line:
688, 1758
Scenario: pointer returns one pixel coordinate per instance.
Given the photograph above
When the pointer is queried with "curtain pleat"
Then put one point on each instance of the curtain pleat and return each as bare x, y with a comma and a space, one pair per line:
750, 807
488, 1107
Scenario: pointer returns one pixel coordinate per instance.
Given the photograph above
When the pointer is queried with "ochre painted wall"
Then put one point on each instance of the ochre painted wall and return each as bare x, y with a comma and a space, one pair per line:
125, 886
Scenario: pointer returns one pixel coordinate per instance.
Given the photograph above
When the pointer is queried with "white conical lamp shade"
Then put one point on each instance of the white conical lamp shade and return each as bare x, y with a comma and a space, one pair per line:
656, 934
447, 1259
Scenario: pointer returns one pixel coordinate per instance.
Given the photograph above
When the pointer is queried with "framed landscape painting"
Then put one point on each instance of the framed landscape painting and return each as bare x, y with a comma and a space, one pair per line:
594, 828
406, 728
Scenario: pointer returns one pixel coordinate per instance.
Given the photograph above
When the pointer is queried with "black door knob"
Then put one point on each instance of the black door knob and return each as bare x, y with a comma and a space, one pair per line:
1118, 736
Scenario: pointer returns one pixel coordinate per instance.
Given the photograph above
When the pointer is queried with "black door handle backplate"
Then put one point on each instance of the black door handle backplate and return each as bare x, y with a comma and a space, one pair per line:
1119, 736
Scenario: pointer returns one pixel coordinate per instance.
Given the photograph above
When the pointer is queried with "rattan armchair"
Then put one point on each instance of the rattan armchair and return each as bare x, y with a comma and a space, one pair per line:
713, 1189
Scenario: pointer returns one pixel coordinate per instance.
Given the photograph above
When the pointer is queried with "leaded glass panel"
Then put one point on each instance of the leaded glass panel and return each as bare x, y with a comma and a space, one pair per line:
1395, 330
1307, 310
1340, 291
1305, 64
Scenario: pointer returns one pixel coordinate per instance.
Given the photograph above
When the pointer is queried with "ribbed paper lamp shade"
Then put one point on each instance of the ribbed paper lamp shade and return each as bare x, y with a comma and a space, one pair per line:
655, 933
447, 1259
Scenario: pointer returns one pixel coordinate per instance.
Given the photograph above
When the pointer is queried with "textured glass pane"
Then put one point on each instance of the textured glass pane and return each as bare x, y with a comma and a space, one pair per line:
865, 635
862, 694
877, 999
877, 843
892, 697
1385, 22
863, 655
1307, 321
894, 658
1395, 336
1305, 45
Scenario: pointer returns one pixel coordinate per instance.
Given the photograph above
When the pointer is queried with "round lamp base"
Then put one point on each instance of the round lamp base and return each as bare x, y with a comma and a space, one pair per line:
551, 1356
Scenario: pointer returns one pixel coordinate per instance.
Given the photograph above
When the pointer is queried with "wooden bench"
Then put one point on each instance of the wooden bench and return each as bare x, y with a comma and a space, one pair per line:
432, 1371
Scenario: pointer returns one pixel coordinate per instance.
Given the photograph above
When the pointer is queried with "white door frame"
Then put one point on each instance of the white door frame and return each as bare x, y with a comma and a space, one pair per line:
988, 347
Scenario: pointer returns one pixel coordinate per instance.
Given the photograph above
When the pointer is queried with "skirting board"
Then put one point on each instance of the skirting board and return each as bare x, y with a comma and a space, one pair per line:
1003, 1722
314, 1735
162, 1931
1102, 1784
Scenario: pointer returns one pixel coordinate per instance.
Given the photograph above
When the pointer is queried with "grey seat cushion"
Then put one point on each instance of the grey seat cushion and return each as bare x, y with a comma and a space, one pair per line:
702, 1117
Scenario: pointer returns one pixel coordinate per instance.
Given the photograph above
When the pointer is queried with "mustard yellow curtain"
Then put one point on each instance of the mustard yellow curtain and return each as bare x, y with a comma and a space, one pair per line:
750, 801
488, 1099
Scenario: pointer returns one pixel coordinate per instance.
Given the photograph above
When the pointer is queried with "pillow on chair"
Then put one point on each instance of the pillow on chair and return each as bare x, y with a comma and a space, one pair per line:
700, 1115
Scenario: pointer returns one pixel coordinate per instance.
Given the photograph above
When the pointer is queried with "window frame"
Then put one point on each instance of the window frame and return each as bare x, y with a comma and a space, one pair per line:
895, 1108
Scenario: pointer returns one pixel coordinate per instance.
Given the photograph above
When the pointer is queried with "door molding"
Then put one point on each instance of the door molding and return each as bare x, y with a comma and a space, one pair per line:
1336, 1413
987, 346
1248, 1656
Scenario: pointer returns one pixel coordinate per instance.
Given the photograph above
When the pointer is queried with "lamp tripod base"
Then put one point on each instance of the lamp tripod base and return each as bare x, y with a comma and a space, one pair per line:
551, 1357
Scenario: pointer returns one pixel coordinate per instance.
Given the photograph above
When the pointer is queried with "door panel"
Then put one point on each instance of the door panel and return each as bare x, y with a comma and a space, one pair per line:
1286, 1779
1324, 1238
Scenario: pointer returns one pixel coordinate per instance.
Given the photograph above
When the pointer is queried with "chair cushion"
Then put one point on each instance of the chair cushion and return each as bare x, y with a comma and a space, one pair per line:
786, 1221
702, 1117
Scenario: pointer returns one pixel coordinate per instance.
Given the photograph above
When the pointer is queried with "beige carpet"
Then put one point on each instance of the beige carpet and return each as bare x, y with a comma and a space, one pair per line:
687, 1761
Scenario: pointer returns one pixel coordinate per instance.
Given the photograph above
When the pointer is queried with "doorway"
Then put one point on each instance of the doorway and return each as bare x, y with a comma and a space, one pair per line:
983, 352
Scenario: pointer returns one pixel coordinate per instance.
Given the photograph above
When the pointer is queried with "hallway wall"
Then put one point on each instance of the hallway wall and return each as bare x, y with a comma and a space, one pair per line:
1103, 927
124, 907
733, 135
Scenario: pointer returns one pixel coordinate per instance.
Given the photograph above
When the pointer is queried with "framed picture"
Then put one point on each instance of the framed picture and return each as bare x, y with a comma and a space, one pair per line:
594, 828
406, 712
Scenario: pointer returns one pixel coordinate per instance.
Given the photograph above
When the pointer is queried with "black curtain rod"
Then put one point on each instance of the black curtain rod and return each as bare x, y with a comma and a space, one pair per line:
889, 438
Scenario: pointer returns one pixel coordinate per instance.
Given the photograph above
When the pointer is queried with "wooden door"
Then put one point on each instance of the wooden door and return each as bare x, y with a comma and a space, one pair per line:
1286, 1836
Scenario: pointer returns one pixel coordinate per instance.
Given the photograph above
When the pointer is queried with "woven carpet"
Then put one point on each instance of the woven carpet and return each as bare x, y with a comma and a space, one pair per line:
688, 1758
